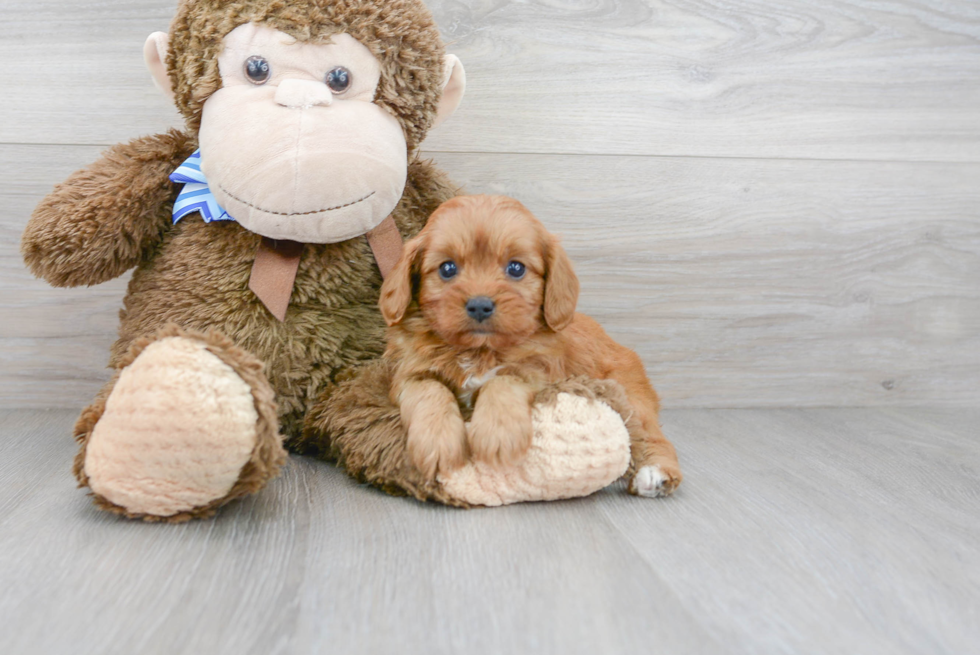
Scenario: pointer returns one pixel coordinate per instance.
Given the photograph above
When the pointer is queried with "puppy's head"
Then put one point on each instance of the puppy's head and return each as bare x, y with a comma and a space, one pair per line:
484, 273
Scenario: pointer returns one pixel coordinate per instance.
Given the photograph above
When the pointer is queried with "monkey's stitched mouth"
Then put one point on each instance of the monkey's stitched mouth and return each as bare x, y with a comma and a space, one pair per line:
315, 211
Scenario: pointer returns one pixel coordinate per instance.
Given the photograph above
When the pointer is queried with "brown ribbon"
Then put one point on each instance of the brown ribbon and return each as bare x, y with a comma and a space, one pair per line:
386, 244
274, 272
277, 261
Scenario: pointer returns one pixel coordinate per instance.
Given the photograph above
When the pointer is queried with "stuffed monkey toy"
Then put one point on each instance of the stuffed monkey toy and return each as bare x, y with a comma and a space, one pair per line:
259, 235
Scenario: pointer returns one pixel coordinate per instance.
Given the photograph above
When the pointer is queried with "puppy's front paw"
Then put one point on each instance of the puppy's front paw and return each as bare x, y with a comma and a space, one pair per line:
437, 443
500, 434
655, 480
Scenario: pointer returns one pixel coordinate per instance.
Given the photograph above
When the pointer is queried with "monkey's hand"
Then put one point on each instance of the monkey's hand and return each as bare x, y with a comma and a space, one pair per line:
99, 222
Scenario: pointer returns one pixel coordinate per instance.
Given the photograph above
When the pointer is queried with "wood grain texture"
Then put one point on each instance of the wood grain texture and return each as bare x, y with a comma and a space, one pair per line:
844, 79
796, 531
740, 282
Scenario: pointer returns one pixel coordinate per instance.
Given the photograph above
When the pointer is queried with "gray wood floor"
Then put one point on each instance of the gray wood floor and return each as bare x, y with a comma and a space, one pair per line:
796, 531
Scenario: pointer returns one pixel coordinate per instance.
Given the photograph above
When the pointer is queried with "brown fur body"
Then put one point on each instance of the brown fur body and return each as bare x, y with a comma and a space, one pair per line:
195, 275
444, 358
116, 215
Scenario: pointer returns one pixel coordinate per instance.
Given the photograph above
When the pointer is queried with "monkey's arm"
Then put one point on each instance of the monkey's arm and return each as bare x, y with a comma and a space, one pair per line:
99, 222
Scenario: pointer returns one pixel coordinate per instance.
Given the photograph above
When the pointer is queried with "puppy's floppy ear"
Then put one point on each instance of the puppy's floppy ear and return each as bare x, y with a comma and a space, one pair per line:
396, 292
560, 287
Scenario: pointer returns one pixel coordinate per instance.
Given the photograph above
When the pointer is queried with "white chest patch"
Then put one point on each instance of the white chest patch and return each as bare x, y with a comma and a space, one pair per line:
473, 383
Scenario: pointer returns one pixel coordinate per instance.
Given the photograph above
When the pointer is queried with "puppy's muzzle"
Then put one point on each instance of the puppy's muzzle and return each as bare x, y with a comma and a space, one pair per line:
480, 308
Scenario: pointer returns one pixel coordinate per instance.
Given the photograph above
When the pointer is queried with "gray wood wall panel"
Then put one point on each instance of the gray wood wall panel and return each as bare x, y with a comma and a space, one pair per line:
740, 282
828, 79
773, 205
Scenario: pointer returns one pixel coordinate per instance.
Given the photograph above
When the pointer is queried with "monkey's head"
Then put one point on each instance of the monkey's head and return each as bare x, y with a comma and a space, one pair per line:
306, 110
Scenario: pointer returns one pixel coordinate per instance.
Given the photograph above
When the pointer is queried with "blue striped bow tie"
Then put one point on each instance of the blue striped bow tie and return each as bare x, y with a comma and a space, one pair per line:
196, 195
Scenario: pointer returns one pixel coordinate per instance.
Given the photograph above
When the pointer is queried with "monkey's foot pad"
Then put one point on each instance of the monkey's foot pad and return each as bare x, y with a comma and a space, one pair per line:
178, 427
580, 445
581, 442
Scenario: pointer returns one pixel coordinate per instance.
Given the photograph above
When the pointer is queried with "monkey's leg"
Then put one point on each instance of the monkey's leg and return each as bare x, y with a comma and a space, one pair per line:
581, 431
356, 424
187, 424
580, 443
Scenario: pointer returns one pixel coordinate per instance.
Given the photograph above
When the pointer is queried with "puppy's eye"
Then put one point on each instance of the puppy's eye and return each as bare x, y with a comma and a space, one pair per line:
516, 270
447, 270
257, 69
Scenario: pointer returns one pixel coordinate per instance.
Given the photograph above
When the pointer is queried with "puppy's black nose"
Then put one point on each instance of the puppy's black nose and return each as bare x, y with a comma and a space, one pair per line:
480, 308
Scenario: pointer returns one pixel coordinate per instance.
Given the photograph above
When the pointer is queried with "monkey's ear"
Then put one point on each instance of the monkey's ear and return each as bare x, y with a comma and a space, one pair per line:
396, 292
560, 288
155, 56
453, 86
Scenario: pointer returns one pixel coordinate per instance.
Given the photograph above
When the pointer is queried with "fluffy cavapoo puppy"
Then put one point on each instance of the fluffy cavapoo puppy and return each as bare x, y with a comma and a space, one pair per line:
481, 309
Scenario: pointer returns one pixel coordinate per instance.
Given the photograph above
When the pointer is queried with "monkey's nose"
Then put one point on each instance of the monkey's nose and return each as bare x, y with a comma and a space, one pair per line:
480, 308
303, 94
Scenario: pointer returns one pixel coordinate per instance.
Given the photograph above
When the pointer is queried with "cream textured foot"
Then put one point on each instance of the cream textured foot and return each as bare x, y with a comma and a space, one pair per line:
177, 429
579, 446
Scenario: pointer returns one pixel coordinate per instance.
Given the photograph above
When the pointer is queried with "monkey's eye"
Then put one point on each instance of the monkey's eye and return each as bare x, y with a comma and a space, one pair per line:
257, 69
447, 270
339, 79
516, 270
